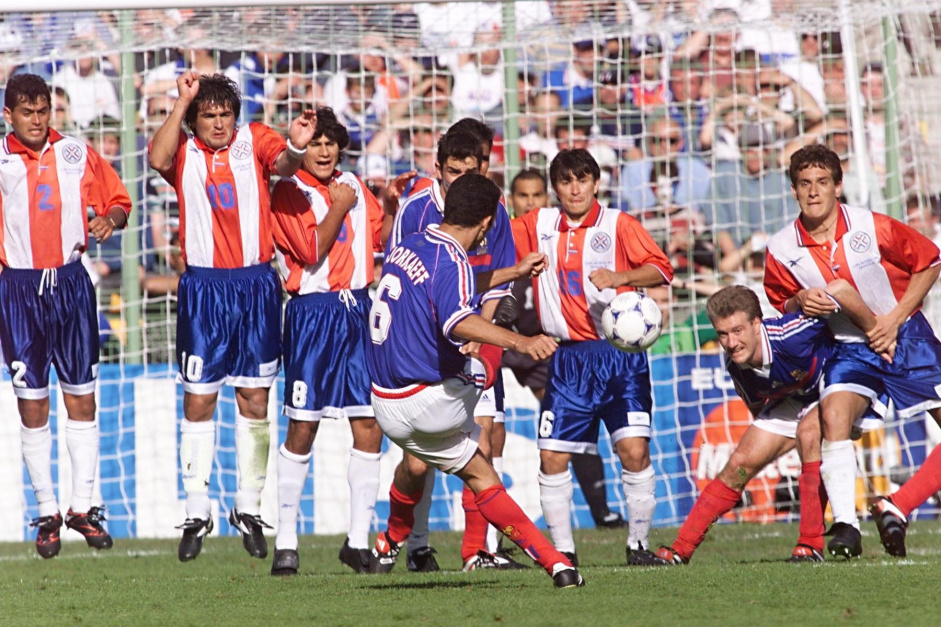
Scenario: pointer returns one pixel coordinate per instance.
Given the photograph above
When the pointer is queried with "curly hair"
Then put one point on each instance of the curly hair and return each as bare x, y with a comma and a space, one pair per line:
26, 88
214, 89
816, 156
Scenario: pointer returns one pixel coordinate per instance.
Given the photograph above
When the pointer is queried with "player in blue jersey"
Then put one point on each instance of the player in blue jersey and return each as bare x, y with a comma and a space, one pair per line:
425, 388
460, 151
776, 366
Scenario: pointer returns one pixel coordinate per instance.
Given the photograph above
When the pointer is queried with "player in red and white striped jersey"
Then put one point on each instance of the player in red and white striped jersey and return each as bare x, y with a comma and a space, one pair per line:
229, 322
594, 253
54, 192
327, 226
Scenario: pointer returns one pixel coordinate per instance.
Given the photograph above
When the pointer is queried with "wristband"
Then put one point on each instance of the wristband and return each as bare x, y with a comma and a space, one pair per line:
293, 153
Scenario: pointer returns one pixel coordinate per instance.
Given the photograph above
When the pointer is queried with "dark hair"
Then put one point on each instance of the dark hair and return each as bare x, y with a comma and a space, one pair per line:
329, 125
529, 174
470, 199
731, 300
214, 89
576, 163
819, 156
368, 81
571, 126
459, 146
27, 88
482, 131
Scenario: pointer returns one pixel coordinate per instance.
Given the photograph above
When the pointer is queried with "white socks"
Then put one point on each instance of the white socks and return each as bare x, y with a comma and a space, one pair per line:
493, 536
555, 496
363, 475
197, 443
639, 490
292, 474
419, 536
252, 440
37, 454
838, 471
82, 441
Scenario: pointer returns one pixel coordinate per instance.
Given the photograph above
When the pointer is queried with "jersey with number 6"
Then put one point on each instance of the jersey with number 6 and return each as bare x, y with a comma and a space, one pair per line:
426, 289
224, 197
568, 303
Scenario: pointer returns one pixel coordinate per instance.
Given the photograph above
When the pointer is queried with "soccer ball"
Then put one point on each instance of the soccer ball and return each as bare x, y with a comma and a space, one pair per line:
631, 322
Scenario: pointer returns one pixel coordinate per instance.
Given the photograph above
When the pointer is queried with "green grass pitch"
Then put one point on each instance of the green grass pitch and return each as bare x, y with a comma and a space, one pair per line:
738, 577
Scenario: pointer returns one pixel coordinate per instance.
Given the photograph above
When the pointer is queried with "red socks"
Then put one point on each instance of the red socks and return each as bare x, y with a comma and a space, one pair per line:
475, 527
921, 486
716, 499
813, 497
401, 514
499, 509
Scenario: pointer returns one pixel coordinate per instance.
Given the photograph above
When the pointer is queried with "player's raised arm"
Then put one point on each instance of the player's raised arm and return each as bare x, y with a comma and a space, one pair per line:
167, 139
300, 135
532, 265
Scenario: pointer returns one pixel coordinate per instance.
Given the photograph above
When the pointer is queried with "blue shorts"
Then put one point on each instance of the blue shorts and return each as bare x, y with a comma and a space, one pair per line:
590, 382
228, 328
912, 380
325, 373
49, 317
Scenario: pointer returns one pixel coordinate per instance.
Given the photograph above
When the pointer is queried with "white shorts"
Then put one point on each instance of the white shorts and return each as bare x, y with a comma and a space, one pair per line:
487, 406
782, 419
435, 423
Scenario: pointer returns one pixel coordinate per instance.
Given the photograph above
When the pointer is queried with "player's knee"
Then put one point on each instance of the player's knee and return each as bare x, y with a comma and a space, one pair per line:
34, 413
808, 435
414, 466
300, 436
252, 402
553, 462
737, 472
634, 454
367, 435
198, 407
80, 408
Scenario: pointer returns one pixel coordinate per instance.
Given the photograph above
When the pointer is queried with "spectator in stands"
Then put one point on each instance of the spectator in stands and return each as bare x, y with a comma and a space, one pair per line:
687, 106
161, 80
575, 81
538, 126
91, 93
752, 197
360, 116
647, 87
782, 93
665, 145
104, 135
61, 110
478, 77
254, 73
714, 49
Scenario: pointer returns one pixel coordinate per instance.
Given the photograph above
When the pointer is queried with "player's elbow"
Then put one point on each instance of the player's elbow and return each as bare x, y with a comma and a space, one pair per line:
839, 288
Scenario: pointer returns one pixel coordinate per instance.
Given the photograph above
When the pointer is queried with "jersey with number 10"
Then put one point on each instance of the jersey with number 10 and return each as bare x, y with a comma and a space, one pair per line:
568, 303
426, 289
224, 197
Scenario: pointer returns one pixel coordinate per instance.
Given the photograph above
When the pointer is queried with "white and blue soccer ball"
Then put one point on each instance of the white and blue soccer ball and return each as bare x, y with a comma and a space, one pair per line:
632, 322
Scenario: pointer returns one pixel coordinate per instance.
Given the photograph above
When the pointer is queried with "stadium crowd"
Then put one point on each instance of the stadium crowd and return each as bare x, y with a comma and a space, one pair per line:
690, 112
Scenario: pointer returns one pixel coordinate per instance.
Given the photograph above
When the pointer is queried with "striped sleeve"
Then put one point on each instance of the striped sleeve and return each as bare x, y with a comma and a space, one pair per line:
637, 248
779, 284
104, 188
903, 246
268, 144
452, 294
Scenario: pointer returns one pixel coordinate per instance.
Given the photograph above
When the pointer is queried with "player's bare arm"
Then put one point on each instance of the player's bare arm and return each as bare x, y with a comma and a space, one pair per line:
300, 133
342, 199
167, 138
473, 328
858, 312
532, 265
390, 202
887, 327
813, 302
644, 276
101, 227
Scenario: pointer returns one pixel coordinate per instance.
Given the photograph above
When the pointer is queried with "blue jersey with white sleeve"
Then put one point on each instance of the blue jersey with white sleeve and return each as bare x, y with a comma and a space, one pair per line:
426, 207
427, 288
794, 348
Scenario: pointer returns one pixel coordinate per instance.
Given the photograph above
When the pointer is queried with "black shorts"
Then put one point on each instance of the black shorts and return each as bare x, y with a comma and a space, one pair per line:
530, 373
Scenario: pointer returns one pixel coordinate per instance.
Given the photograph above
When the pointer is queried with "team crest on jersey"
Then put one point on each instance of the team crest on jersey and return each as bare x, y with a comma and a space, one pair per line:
72, 153
799, 375
241, 150
860, 242
600, 242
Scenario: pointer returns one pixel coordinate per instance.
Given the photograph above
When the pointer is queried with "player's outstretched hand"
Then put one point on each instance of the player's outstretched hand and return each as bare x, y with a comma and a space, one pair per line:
342, 195
602, 278
302, 129
538, 347
394, 190
187, 84
816, 302
532, 265
883, 336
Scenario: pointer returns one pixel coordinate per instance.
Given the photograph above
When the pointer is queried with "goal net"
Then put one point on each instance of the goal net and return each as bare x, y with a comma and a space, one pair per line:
691, 109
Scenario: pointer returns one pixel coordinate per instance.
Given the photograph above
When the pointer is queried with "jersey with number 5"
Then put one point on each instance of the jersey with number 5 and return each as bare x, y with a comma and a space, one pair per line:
225, 202
426, 289
568, 303
45, 197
